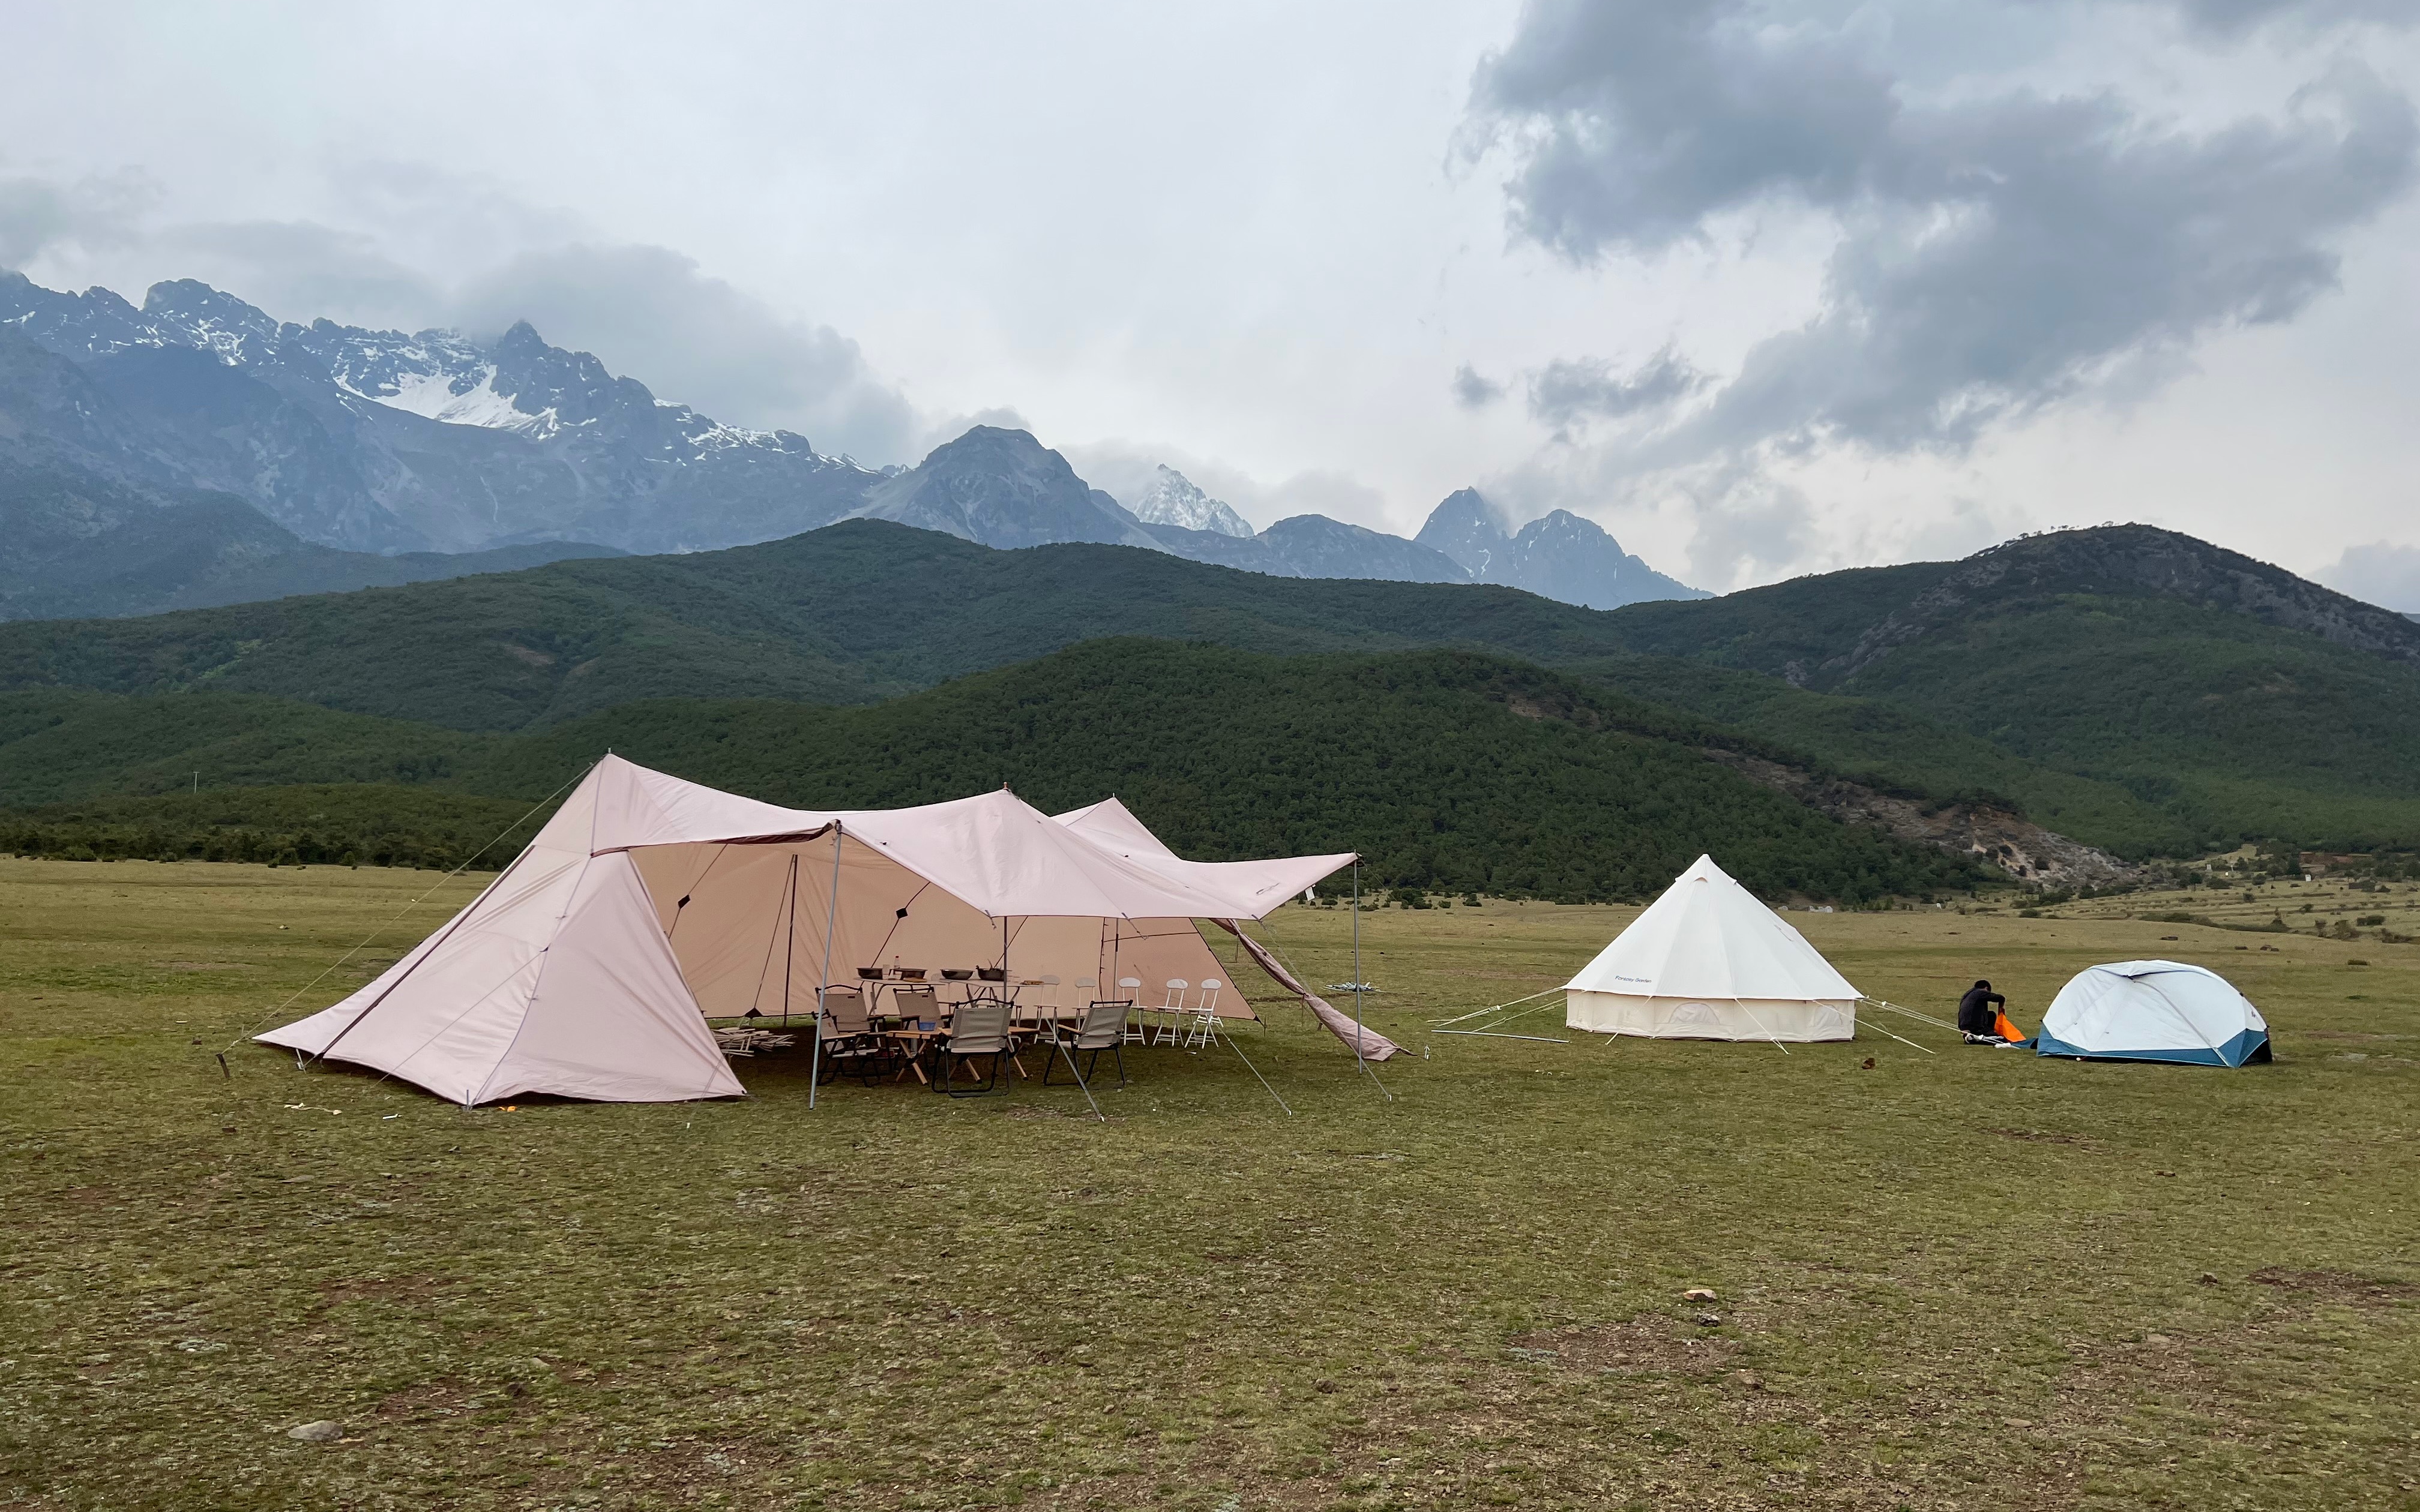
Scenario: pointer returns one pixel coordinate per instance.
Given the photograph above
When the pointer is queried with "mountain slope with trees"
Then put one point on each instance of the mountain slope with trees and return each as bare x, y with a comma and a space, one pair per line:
2134, 689
1451, 771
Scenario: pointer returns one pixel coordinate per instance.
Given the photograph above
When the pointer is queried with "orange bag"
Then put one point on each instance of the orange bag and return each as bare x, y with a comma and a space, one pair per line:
2005, 1029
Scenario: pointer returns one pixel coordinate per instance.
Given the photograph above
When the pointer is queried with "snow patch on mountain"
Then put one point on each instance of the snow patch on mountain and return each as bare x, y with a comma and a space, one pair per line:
466, 399
1173, 498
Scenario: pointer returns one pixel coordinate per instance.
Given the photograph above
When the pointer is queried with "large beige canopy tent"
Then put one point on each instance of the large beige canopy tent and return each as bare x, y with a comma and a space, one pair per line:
1707, 961
648, 904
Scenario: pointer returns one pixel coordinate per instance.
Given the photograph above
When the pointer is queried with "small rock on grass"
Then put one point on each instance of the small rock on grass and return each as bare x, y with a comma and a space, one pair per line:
1699, 1294
323, 1431
1709, 1320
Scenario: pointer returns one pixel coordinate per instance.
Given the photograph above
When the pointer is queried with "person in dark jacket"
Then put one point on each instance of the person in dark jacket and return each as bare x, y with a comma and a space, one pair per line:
1978, 1014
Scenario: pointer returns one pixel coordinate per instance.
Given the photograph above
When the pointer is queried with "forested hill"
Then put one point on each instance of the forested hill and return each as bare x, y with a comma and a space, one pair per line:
2136, 688
849, 614
1451, 771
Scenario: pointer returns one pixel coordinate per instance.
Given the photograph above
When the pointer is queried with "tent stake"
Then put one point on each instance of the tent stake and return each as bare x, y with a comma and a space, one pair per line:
831, 916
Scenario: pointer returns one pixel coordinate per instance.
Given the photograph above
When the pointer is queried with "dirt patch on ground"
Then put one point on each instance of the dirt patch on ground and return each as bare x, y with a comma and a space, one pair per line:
1641, 1345
2337, 1285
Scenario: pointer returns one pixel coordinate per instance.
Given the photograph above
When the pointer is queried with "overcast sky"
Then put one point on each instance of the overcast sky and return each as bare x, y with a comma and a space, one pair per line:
1764, 288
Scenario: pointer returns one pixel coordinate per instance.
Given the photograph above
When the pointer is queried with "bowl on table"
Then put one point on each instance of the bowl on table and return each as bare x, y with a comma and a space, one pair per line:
953, 974
992, 973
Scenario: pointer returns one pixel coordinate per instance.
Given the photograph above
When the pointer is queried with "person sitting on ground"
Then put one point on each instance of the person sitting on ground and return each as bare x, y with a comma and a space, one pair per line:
1978, 1016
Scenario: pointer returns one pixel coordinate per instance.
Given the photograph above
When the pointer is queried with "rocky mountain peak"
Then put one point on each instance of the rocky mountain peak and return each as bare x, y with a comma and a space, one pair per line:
1467, 528
1174, 498
1559, 555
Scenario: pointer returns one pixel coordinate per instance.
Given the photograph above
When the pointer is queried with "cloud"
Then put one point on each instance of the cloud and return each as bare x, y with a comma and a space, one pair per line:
1123, 468
426, 248
1567, 394
300, 271
2387, 576
650, 313
39, 214
1473, 391
2233, 18
1997, 252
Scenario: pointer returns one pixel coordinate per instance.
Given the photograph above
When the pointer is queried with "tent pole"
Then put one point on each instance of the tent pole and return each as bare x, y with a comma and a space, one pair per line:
1357, 963
790, 948
831, 916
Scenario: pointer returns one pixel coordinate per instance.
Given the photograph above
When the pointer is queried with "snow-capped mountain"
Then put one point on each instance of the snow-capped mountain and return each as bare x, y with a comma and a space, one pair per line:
389, 443
1174, 498
382, 440
1559, 555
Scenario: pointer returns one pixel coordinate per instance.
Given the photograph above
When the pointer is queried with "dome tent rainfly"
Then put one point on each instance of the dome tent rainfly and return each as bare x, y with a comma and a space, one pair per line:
646, 904
1707, 961
2154, 1011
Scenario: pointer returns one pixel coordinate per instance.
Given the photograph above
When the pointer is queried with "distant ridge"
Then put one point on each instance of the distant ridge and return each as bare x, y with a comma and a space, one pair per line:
392, 442
1557, 556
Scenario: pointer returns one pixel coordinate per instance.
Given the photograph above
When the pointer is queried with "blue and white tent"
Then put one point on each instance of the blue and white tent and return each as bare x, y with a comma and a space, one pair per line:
2154, 1011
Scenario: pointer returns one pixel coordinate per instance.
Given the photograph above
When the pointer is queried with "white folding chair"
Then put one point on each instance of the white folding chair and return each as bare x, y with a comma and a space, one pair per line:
1171, 1013
1203, 1032
1043, 1005
1130, 988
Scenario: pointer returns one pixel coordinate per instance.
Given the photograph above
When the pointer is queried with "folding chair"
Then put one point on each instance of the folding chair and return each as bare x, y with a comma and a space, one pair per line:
1203, 1032
1171, 1013
849, 1042
1130, 988
1104, 1029
978, 1028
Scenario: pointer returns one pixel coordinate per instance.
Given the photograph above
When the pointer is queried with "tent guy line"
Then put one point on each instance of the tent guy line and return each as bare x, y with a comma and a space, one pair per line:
367, 940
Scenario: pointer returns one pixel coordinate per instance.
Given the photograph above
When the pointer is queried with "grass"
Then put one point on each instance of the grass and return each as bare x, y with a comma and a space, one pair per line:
1972, 1278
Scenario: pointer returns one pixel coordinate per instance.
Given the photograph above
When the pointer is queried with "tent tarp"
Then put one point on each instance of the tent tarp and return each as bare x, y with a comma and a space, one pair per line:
647, 903
2154, 1011
1707, 961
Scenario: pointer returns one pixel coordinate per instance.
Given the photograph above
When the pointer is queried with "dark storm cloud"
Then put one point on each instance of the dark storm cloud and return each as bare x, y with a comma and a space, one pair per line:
1998, 253
2231, 17
1473, 390
1569, 393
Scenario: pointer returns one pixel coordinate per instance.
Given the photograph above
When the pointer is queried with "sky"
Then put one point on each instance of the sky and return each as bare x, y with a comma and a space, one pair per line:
1762, 289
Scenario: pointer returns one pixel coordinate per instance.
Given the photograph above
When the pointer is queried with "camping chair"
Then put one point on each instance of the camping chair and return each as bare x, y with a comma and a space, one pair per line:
1130, 988
1104, 1028
1204, 1030
1172, 1014
849, 1042
978, 1028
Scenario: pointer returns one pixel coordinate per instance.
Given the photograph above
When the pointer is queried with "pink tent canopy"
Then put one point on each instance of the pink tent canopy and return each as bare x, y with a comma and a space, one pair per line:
648, 904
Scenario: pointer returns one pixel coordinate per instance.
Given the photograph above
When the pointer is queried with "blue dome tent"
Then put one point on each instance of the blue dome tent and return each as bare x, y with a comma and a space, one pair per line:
2154, 1011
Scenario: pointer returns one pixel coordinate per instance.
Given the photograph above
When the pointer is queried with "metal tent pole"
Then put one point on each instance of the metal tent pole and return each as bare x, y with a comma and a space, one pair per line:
1358, 977
790, 946
831, 916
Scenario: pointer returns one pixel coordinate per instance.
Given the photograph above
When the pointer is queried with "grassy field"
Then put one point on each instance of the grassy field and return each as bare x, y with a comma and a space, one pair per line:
1965, 1279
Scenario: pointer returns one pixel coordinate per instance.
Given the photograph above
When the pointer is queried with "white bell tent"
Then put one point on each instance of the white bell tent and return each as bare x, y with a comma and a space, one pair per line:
589, 966
2154, 1011
1707, 961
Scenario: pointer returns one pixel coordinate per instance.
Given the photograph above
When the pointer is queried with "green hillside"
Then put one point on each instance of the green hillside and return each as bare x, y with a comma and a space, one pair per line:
850, 614
1451, 771
2135, 688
